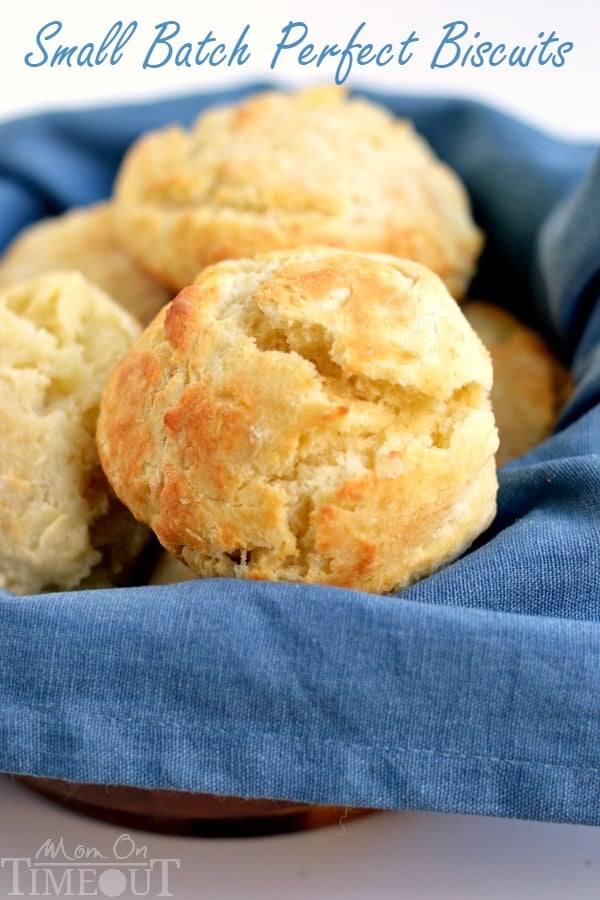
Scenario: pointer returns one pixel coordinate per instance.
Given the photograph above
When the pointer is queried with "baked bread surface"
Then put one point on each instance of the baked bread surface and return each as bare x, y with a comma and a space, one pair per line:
85, 239
60, 336
313, 414
282, 169
530, 384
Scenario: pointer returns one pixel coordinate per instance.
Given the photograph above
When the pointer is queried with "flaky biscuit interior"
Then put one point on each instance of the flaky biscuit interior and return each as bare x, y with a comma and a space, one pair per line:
60, 336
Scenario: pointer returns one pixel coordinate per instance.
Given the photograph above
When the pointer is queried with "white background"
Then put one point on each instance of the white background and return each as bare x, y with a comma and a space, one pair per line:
406, 855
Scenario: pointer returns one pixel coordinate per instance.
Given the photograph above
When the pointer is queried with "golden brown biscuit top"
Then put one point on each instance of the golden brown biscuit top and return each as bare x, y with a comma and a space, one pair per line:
276, 151
279, 170
372, 316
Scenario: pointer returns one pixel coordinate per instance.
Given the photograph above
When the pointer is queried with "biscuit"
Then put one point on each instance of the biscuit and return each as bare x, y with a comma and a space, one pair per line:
84, 239
283, 169
530, 384
306, 415
60, 524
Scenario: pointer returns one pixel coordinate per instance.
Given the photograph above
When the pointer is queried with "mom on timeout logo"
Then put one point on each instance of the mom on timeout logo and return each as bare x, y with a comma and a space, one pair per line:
129, 870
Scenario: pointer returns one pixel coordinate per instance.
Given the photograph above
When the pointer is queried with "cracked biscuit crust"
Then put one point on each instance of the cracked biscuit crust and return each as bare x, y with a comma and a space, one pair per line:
312, 415
279, 170
60, 524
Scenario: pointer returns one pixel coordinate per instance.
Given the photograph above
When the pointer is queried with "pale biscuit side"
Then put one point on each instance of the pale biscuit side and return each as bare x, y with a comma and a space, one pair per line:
530, 384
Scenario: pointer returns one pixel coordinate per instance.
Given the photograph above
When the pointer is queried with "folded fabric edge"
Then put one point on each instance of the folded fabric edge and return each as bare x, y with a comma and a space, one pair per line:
434, 708
419, 780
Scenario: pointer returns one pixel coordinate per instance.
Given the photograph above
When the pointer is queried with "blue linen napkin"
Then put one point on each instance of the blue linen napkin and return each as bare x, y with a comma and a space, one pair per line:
477, 690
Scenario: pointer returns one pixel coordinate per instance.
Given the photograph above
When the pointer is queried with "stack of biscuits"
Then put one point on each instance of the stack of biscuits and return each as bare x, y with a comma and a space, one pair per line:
260, 353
